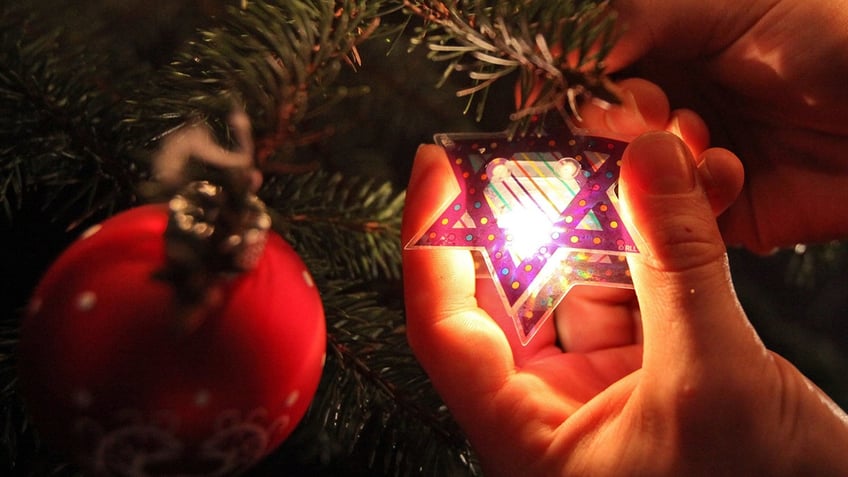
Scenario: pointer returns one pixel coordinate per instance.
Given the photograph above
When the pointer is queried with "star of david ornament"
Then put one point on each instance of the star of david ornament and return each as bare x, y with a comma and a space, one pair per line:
542, 214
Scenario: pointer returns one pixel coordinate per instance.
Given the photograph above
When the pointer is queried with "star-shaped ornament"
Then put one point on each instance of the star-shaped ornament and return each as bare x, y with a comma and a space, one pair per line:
541, 212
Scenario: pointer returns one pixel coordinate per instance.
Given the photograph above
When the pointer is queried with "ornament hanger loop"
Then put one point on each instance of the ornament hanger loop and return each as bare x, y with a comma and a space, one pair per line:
196, 141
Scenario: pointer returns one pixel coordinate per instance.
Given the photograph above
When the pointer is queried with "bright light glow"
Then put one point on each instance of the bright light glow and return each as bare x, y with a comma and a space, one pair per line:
526, 230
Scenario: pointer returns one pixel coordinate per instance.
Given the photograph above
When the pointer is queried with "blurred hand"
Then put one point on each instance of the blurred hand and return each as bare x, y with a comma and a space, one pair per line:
769, 78
678, 386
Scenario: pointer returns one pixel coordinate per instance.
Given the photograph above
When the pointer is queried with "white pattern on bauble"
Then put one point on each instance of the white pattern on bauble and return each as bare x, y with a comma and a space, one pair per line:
90, 231
86, 301
82, 398
308, 279
291, 399
143, 446
202, 397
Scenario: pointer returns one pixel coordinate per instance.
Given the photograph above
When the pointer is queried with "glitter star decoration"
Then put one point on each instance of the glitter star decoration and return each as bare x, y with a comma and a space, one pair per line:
542, 214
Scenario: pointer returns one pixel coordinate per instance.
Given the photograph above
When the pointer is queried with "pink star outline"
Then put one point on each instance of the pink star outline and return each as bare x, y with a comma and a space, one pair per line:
566, 184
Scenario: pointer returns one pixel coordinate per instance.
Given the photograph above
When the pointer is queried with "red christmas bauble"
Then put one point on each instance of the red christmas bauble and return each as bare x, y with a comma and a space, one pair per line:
110, 377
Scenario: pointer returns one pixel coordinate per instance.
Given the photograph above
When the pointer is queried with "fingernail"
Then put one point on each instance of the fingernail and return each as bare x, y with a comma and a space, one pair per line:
660, 163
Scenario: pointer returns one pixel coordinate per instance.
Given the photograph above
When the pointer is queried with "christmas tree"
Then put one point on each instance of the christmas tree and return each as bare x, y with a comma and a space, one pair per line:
339, 94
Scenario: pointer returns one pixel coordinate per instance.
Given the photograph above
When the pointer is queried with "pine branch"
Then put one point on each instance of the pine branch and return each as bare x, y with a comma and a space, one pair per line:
11, 408
279, 59
78, 142
352, 224
55, 117
556, 48
376, 401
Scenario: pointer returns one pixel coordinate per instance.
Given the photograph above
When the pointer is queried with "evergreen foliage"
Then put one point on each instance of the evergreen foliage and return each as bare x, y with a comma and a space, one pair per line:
557, 48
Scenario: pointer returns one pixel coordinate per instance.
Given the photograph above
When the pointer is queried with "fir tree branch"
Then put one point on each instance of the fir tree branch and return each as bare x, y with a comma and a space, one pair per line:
55, 115
279, 59
556, 48
353, 224
377, 401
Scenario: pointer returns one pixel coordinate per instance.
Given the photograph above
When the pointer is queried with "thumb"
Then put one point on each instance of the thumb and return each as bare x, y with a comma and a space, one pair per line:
690, 314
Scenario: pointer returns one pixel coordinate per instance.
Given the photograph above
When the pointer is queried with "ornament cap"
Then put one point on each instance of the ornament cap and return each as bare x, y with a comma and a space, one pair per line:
199, 220
217, 227
213, 232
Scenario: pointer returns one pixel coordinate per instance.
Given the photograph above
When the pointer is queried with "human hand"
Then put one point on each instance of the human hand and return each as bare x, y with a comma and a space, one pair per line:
769, 78
682, 387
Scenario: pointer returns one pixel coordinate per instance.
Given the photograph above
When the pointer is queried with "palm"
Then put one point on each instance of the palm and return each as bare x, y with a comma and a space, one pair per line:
546, 410
551, 398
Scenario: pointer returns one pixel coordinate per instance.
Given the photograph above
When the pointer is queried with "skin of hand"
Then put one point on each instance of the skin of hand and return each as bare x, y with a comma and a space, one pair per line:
769, 79
680, 385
